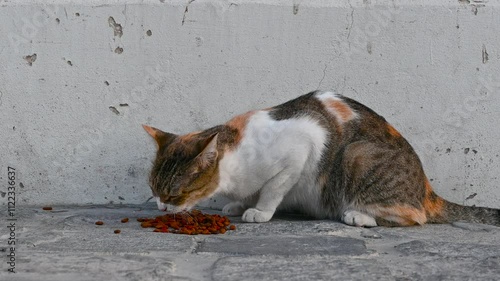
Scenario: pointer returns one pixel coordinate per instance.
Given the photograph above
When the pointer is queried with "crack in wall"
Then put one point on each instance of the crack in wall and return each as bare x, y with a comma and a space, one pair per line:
350, 24
186, 11
322, 78
485, 54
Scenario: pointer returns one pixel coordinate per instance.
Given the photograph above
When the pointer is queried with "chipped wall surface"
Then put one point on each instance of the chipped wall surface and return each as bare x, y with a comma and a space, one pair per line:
78, 80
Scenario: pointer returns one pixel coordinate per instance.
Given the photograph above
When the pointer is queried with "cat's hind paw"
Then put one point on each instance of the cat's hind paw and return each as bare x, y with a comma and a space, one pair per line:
356, 218
254, 215
233, 209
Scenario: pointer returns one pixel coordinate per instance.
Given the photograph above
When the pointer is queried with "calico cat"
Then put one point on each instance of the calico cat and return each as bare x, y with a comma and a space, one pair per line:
322, 154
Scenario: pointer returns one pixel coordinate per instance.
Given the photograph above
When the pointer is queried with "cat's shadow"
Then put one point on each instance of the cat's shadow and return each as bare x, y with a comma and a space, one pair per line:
293, 216
281, 216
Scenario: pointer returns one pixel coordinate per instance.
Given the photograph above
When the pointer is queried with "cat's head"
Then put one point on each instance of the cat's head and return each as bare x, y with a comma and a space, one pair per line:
185, 169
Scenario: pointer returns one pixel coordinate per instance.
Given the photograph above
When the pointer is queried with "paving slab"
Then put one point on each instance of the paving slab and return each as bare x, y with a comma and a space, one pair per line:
285, 245
286, 268
66, 244
82, 266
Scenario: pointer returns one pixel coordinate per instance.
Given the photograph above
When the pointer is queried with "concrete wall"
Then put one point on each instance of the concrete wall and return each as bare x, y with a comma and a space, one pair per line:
77, 82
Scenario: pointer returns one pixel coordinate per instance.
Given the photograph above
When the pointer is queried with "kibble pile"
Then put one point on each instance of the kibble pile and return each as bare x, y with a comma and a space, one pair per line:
191, 223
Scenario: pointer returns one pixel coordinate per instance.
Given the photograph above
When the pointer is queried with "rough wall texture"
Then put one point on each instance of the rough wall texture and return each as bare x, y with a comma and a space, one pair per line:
77, 81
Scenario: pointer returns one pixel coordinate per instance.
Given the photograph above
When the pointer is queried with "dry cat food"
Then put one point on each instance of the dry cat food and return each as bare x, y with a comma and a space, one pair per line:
191, 223
124, 220
117, 231
99, 222
47, 208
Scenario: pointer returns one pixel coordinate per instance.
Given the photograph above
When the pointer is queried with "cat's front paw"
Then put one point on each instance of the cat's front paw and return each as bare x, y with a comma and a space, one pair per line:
254, 215
233, 209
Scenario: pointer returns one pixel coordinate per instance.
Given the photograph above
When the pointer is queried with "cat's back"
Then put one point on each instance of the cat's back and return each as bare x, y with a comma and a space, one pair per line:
318, 115
324, 104
344, 119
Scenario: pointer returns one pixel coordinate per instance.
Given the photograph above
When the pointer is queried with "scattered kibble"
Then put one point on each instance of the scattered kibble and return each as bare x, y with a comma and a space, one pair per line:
47, 208
190, 223
124, 220
117, 231
99, 222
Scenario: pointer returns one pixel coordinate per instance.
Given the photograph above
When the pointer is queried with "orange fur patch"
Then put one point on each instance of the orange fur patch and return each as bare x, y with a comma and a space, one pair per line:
432, 203
339, 109
393, 131
400, 214
343, 112
239, 123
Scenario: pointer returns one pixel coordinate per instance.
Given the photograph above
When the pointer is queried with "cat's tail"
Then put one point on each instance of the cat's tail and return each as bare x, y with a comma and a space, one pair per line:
439, 210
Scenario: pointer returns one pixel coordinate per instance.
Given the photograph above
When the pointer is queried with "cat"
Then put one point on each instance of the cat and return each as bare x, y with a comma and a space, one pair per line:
322, 154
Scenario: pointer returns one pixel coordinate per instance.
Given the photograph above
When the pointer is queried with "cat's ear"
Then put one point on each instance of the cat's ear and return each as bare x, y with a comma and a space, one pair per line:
208, 156
162, 138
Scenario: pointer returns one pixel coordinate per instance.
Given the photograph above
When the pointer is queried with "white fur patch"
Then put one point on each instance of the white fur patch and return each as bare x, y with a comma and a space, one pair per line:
270, 147
322, 96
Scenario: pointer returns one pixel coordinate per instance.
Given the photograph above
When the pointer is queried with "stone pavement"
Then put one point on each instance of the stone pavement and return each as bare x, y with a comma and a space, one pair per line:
66, 245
